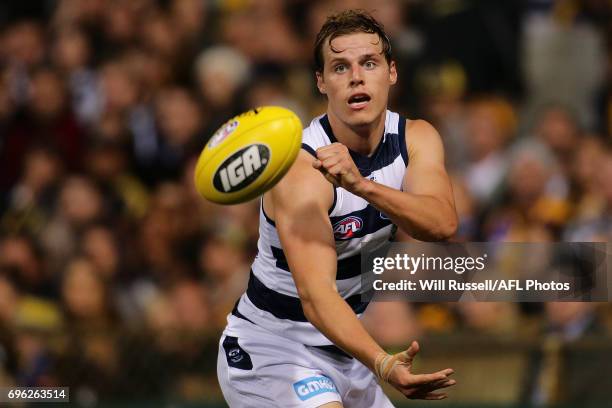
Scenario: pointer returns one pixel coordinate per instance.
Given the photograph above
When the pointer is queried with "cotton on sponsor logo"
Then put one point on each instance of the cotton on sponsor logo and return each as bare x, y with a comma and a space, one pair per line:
311, 386
347, 227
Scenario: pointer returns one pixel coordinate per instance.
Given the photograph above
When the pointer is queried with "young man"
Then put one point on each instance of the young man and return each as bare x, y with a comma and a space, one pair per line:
294, 338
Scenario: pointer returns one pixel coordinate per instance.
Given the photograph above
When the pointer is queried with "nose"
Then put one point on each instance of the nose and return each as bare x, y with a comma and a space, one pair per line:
356, 76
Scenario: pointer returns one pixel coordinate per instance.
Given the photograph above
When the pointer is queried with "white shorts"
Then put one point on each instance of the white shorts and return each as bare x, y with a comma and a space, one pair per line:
257, 368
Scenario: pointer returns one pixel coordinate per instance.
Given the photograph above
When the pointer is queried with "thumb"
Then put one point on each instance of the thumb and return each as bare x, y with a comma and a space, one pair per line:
411, 352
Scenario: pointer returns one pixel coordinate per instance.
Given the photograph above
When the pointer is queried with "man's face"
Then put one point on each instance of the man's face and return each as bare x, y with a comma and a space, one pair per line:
356, 78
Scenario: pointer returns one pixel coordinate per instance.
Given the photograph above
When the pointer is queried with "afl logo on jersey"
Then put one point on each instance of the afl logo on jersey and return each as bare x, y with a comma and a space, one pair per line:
348, 227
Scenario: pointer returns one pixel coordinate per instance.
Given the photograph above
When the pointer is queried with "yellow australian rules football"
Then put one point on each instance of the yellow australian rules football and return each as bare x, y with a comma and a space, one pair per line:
248, 155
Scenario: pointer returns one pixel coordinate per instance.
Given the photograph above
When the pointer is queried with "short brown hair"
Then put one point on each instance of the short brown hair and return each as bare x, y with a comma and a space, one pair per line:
348, 22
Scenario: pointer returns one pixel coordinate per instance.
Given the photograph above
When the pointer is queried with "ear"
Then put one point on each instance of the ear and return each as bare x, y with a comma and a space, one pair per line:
321, 83
392, 73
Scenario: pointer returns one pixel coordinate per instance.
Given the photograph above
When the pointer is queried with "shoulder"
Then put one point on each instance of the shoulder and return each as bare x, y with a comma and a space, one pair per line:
420, 135
419, 128
313, 136
303, 185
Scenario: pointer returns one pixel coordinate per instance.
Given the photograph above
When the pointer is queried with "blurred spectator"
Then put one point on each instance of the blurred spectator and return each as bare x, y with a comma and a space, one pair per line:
552, 36
78, 205
220, 73
37, 326
393, 325
48, 120
269, 89
72, 54
223, 263
597, 227
483, 37
558, 129
29, 204
180, 123
158, 35
168, 238
120, 88
466, 211
7, 103
585, 170
86, 297
9, 296
24, 259
492, 318
565, 324
189, 17
100, 246
23, 48
442, 89
490, 126
183, 347
531, 211
108, 165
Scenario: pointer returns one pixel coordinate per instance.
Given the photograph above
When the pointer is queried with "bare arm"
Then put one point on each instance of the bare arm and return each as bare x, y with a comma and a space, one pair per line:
300, 203
426, 208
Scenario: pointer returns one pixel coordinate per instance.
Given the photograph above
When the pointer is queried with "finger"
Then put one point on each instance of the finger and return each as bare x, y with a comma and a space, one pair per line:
328, 176
331, 179
331, 161
319, 166
337, 170
431, 387
426, 395
331, 147
328, 151
447, 372
441, 384
326, 154
435, 396
424, 379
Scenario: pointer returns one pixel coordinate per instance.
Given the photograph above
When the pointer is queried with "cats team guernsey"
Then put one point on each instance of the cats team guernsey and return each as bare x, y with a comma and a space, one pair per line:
270, 309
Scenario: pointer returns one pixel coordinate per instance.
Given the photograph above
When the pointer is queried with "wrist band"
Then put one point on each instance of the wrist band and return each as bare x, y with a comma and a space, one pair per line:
385, 363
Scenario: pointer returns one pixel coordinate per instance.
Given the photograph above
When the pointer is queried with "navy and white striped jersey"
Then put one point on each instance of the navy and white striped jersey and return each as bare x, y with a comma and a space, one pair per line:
271, 300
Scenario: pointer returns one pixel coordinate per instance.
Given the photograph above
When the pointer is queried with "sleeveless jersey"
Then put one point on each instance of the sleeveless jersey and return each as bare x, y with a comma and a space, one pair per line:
271, 300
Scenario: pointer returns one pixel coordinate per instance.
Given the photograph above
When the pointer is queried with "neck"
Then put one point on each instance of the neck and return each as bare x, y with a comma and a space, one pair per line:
362, 139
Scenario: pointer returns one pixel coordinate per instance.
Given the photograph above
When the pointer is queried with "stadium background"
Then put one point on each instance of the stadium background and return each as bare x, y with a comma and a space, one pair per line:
115, 277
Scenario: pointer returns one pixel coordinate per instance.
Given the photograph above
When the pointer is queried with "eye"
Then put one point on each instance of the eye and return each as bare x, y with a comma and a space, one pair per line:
370, 64
340, 68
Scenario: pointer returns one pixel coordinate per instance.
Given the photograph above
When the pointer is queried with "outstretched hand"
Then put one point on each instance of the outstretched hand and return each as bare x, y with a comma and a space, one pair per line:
397, 370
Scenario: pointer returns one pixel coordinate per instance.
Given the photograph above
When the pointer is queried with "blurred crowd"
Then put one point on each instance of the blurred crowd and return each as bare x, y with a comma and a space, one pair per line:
116, 277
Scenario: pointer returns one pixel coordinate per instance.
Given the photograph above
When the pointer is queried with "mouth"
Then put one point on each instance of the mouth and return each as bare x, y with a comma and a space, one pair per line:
359, 101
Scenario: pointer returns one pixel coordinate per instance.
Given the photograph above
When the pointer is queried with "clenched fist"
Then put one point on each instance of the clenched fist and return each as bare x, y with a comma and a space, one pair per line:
338, 167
